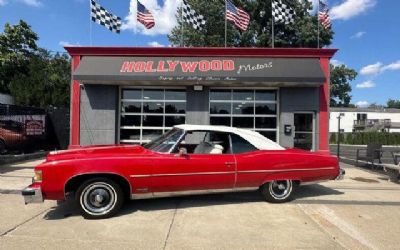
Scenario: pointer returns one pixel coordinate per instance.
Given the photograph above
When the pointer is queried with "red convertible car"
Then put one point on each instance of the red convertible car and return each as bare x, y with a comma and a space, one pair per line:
189, 159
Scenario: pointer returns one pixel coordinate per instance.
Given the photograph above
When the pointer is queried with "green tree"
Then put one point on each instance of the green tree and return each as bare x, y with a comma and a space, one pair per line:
46, 83
341, 76
17, 46
302, 33
393, 104
32, 75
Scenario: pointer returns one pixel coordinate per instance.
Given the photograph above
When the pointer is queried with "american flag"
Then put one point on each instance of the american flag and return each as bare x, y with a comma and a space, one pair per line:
323, 15
144, 16
237, 15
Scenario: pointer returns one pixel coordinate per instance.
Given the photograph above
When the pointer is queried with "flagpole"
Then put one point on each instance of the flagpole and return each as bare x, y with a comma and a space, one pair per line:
272, 28
318, 25
182, 24
226, 24
90, 22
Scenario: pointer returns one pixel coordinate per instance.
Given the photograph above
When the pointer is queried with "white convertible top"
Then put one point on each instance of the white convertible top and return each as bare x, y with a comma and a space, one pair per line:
252, 137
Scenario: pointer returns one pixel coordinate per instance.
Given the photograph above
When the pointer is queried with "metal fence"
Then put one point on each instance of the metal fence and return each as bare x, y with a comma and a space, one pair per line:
27, 129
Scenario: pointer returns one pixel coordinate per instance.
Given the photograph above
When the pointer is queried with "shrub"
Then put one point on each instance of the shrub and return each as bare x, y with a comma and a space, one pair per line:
363, 138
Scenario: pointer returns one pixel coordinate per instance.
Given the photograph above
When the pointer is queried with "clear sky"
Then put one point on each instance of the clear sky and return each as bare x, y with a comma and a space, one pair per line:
367, 34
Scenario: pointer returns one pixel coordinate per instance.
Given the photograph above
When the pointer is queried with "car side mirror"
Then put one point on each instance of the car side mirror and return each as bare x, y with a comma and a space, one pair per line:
182, 152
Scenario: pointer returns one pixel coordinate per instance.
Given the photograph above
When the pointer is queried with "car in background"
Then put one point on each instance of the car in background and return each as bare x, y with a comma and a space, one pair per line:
12, 135
189, 159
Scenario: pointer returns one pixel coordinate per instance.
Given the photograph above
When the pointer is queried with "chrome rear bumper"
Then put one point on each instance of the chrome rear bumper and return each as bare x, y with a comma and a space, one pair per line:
32, 195
342, 172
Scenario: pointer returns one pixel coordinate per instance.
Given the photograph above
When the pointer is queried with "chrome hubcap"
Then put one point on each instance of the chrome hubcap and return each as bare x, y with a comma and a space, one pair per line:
280, 189
98, 198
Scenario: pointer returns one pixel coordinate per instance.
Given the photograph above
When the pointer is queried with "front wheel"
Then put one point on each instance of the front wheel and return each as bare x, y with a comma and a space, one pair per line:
278, 191
99, 198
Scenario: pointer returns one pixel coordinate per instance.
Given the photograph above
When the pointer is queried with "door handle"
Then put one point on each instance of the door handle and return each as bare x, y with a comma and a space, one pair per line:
229, 163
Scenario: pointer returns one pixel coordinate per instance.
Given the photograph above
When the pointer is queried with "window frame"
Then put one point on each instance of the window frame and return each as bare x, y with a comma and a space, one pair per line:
142, 114
254, 101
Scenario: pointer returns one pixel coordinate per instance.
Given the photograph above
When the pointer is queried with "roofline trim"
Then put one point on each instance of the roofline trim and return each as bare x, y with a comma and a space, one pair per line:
200, 52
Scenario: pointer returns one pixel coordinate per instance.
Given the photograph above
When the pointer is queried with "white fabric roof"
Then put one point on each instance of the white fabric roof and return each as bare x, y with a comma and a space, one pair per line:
253, 137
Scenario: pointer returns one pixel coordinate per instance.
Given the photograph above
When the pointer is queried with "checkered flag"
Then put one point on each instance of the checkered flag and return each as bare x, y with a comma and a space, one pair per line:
103, 17
190, 16
282, 13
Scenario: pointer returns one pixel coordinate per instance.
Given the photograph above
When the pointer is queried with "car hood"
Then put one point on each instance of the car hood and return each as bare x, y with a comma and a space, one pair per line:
97, 151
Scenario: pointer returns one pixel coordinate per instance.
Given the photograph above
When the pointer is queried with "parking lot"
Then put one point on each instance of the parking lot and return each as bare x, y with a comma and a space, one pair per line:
360, 212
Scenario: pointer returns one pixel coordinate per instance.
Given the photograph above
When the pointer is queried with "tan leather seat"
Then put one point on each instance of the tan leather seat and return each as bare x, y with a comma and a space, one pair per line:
208, 148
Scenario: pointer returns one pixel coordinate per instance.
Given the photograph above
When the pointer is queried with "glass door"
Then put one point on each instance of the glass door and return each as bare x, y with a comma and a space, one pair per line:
304, 130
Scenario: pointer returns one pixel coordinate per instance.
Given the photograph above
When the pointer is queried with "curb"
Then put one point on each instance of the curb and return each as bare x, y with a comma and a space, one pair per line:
7, 159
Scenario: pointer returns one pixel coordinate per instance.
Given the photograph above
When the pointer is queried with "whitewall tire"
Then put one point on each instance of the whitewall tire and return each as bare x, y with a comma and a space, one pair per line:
278, 191
99, 198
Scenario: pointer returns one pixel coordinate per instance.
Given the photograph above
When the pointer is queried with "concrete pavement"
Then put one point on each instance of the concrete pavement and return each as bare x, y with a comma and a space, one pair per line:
359, 212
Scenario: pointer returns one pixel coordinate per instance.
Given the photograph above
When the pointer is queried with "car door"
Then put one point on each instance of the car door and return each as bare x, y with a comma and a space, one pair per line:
253, 165
193, 171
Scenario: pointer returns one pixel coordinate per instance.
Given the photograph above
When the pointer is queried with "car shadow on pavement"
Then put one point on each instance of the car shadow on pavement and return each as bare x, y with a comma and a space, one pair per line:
315, 190
68, 208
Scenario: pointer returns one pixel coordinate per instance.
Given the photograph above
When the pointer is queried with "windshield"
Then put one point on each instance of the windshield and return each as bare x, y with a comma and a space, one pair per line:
166, 142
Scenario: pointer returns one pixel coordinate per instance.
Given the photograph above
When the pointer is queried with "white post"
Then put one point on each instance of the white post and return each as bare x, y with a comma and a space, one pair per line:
272, 28
90, 22
226, 24
318, 25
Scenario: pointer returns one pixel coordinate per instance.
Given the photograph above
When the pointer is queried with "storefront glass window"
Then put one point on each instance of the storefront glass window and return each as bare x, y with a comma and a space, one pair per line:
222, 121
243, 95
243, 108
220, 108
148, 113
265, 95
221, 95
131, 107
175, 107
175, 95
152, 94
132, 94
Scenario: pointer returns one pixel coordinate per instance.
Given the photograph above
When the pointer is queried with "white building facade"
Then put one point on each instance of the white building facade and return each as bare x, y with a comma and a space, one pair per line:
364, 119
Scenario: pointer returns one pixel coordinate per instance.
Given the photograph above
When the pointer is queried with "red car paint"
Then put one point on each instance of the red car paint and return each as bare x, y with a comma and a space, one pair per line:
150, 172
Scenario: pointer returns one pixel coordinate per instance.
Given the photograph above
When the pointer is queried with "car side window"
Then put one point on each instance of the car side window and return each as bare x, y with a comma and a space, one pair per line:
240, 145
205, 142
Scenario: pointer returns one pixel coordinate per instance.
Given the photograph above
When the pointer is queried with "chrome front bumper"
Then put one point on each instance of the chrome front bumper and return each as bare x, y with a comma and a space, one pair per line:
342, 172
32, 195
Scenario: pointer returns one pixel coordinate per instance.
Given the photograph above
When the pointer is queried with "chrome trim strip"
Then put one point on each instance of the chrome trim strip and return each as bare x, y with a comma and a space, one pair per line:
282, 170
190, 192
140, 176
182, 174
231, 172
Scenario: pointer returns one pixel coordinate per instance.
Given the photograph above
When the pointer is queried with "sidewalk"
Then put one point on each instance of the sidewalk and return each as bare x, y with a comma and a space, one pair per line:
15, 176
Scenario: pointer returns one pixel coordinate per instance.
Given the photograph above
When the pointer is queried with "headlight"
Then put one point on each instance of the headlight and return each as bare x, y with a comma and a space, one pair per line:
38, 176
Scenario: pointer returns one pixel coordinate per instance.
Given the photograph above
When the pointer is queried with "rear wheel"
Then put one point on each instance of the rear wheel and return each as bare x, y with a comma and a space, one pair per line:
99, 198
278, 191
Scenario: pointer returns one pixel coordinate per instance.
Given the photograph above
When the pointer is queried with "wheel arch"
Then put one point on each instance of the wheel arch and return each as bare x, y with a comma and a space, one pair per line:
73, 183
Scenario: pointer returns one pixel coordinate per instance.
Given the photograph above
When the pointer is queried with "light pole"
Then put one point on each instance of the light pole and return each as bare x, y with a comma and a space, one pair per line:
339, 130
